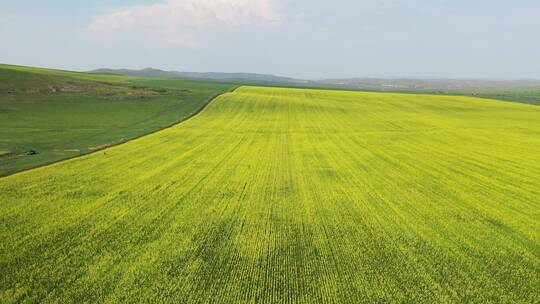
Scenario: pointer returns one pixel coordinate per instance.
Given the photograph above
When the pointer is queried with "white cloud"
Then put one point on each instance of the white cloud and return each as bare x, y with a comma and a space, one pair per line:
182, 22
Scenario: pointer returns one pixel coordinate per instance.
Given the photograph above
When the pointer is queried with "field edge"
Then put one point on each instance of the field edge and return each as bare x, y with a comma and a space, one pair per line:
106, 147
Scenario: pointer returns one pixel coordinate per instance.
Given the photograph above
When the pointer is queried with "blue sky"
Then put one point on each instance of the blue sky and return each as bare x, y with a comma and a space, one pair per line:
299, 38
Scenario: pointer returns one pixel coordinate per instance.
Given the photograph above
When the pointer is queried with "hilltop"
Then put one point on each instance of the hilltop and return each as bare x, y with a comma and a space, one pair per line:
230, 77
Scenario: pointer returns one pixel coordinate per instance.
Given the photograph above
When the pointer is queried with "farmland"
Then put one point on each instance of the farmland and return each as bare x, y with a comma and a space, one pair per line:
289, 196
62, 114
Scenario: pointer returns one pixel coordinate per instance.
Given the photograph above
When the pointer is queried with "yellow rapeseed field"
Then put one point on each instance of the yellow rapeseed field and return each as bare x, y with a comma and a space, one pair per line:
289, 196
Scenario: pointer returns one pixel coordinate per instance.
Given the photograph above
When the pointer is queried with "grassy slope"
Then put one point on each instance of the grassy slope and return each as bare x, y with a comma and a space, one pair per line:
282, 196
63, 114
522, 95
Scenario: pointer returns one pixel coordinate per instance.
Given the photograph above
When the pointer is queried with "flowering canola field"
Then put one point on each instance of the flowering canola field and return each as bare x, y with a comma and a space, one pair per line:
289, 196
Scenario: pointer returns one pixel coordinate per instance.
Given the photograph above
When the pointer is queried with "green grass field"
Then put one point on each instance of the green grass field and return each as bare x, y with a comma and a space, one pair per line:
64, 114
289, 196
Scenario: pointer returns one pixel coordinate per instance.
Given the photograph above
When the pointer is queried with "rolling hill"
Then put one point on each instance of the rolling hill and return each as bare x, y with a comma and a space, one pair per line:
523, 91
62, 114
215, 76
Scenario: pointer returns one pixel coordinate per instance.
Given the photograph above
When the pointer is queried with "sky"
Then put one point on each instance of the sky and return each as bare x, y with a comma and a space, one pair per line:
309, 39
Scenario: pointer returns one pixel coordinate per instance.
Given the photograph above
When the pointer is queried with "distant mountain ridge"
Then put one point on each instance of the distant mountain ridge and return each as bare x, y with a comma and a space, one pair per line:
216, 76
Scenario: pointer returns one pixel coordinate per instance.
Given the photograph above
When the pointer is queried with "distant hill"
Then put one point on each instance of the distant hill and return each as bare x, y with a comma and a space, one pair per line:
232, 77
355, 83
525, 91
